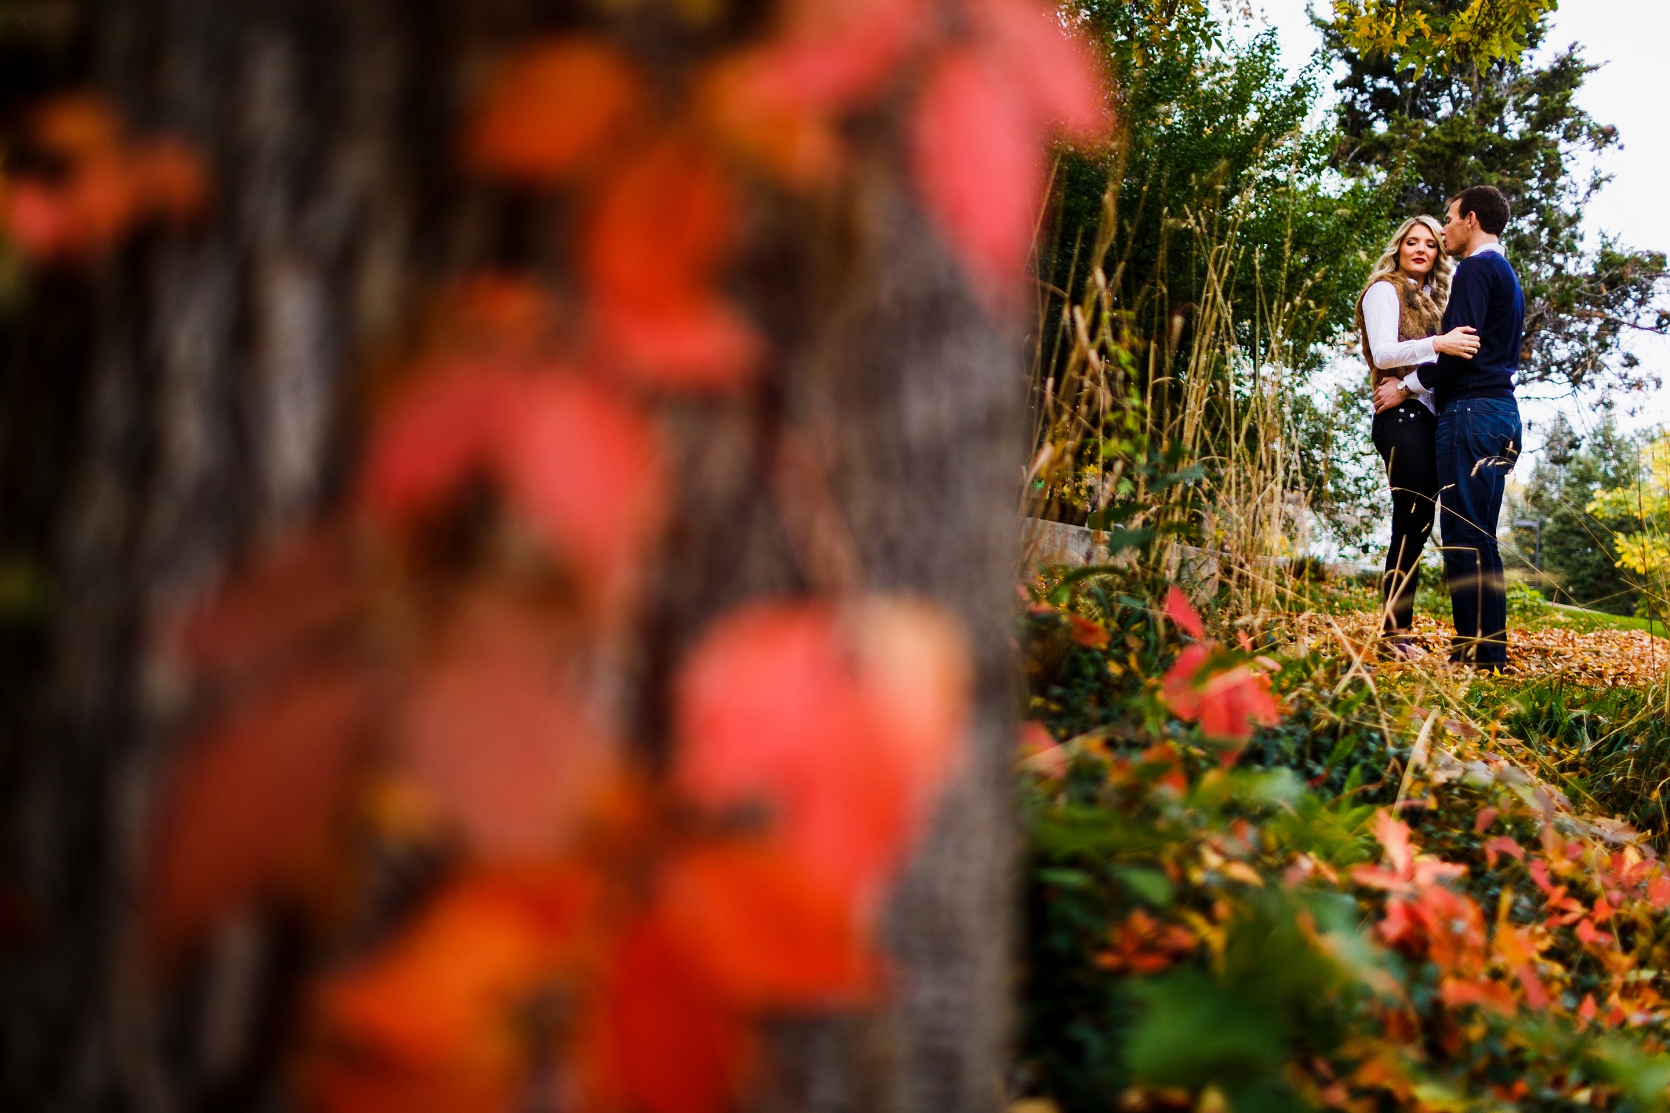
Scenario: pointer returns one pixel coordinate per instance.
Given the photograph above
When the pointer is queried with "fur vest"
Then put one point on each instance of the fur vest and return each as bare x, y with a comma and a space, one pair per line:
1419, 318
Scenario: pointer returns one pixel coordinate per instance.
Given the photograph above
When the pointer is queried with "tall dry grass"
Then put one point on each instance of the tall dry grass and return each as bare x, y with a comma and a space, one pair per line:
1135, 384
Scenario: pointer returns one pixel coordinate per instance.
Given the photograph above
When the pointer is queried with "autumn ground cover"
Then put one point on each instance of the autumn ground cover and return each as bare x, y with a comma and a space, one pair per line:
1404, 888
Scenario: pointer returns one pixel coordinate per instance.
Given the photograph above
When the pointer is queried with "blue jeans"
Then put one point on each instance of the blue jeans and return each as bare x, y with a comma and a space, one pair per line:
1478, 441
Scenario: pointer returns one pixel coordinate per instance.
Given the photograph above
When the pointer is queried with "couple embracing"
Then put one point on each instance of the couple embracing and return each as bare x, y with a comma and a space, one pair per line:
1441, 322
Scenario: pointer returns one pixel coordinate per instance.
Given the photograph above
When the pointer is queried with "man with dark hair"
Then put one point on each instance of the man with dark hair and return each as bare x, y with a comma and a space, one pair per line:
1479, 432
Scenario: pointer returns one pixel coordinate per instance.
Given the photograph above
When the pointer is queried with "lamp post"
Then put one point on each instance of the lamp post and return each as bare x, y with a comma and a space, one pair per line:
1536, 524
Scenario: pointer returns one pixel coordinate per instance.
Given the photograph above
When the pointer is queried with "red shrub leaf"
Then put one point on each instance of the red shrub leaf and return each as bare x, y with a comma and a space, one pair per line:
497, 737
553, 109
1091, 635
1055, 71
845, 732
779, 103
107, 184
256, 795
699, 344
1658, 892
762, 931
300, 590
662, 1039
431, 437
442, 993
915, 672
1181, 611
661, 226
587, 471
976, 159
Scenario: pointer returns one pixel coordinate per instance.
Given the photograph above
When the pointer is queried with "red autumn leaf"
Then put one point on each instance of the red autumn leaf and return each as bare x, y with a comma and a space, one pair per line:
1454, 928
699, 344
257, 793
582, 467
587, 471
169, 180
365, 1086
39, 219
1482, 821
107, 184
1482, 992
1658, 892
1180, 611
495, 734
1589, 936
1054, 71
441, 997
1409, 872
1091, 635
661, 227
1535, 995
662, 1040
915, 673
1233, 702
652, 248
1228, 704
1502, 845
433, 436
553, 110
88, 210
740, 99
76, 126
780, 102
762, 931
1586, 1011
779, 705
832, 57
976, 159
302, 589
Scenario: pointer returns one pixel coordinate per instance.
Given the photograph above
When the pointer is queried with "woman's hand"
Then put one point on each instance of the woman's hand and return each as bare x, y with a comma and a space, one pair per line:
1463, 342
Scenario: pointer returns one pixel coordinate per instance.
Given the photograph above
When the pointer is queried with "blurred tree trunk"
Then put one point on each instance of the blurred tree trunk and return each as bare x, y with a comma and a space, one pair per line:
206, 382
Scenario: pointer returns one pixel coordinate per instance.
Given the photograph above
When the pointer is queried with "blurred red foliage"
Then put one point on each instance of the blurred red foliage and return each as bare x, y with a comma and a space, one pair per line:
425, 667
103, 183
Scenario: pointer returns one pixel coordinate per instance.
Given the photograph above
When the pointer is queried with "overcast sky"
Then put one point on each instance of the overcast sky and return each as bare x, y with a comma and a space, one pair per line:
1627, 39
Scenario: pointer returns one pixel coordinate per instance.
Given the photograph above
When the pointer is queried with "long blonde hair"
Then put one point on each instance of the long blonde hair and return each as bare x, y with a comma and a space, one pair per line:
1388, 265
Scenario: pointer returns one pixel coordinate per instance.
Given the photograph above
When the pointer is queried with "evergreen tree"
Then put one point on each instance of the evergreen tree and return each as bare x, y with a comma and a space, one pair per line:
1429, 131
1579, 556
1217, 147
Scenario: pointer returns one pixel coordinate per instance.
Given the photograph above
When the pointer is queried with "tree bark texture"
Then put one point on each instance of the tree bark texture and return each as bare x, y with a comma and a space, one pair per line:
195, 395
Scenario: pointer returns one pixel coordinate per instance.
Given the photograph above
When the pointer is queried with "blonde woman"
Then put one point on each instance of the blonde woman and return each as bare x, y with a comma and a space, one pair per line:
1398, 317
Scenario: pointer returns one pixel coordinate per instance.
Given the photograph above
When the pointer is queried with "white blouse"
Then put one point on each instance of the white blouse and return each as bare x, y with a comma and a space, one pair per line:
1382, 309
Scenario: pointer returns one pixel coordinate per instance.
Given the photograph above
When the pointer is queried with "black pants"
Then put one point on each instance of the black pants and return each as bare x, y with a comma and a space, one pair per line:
1404, 437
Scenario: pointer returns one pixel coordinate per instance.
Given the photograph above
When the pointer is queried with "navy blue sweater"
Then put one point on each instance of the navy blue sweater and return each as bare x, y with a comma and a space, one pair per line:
1484, 293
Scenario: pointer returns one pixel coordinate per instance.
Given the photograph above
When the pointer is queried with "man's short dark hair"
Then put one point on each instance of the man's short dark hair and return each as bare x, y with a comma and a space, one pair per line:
1488, 203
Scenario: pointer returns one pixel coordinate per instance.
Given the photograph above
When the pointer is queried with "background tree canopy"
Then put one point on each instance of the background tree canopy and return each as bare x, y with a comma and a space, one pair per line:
1229, 185
1426, 125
